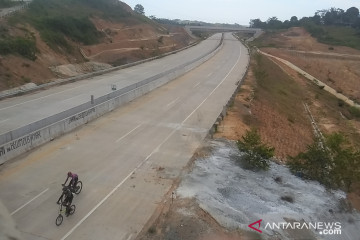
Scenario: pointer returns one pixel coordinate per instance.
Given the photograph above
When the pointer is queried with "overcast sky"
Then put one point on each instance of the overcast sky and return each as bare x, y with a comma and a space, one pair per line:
237, 11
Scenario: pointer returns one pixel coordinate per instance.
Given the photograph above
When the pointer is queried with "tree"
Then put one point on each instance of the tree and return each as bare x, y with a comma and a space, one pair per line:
335, 163
139, 9
274, 23
312, 164
257, 23
333, 16
351, 15
294, 21
257, 154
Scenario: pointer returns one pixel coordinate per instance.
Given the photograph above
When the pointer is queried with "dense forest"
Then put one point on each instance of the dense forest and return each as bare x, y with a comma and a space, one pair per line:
333, 16
333, 26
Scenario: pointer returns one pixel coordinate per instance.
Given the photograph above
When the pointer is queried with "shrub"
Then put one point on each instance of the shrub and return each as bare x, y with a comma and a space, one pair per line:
355, 112
332, 162
23, 46
257, 154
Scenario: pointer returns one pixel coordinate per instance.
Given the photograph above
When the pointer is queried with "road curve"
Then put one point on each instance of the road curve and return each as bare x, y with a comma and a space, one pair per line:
127, 159
20, 111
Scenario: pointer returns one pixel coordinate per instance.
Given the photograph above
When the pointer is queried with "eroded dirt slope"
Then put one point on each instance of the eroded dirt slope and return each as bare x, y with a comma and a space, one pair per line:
122, 42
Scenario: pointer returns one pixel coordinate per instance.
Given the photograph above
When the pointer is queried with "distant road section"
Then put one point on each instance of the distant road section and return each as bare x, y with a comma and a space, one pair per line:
19, 111
255, 31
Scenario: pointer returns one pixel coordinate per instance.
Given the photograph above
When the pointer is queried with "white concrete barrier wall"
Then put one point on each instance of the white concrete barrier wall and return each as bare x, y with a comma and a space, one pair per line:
21, 140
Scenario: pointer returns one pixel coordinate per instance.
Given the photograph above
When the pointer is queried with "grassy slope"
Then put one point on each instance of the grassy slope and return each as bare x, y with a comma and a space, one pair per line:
60, 21
336, 35
285, 95
276, 86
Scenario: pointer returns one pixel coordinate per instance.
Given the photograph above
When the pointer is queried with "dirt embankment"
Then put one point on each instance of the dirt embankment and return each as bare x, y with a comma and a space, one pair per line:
287, 126
275, 105
123, 42
336, 66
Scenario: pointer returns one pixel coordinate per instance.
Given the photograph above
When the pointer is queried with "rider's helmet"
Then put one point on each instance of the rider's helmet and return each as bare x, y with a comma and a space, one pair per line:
69, 174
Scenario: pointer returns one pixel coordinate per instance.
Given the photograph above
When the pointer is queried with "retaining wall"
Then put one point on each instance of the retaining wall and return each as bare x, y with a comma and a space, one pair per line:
23, 139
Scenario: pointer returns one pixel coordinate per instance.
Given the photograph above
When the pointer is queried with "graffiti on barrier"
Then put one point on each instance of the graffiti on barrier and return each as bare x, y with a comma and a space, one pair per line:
2, 151
23, 141
81, 115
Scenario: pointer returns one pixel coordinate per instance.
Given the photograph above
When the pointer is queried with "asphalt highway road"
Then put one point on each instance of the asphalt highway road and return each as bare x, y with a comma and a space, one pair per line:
127, 159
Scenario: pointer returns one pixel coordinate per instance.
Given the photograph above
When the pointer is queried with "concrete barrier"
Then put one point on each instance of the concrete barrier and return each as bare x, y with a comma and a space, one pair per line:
22, 90
23, 139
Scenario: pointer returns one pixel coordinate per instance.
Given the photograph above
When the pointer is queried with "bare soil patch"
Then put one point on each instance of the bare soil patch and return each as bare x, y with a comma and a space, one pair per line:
336, 66
125, 43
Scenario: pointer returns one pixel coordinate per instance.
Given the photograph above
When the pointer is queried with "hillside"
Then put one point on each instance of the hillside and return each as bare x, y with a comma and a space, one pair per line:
53, 39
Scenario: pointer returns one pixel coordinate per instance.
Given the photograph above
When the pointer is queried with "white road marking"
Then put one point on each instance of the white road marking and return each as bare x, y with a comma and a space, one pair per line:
128, 133
197, 84
4, 120
38, 98
146, 159
238, 60
171, 103
210, 74
129, 237
65, 100
29, 202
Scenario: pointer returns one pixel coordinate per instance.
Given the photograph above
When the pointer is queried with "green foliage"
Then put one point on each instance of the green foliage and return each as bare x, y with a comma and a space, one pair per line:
355, 112
257, 154
25, 47
7, 3
60, 21
335, 35
78, 29
331, 162
139, 9
333, 26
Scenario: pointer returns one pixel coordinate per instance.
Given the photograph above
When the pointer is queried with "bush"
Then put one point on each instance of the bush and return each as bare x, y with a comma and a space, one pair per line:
257, 154
332, 162
53, 31
355, 112
23, 46
7, 3
58, 21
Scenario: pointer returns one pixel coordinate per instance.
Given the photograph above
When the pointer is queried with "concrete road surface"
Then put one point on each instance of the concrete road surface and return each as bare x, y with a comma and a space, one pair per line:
20, 111
127, 159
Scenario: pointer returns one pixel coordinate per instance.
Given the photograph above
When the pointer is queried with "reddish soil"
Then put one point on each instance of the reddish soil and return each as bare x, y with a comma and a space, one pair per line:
340, 72
253, 108
130, 43
336, 66
123, 43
